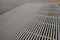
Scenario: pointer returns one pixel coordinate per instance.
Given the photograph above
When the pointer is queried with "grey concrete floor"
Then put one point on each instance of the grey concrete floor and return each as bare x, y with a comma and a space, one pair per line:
15, 20
6, 5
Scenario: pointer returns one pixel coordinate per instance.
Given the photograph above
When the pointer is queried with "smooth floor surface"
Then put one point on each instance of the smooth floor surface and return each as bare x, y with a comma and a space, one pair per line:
6, 5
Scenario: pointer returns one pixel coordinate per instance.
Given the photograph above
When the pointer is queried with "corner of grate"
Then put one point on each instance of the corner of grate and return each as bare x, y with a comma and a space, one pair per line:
44, 26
